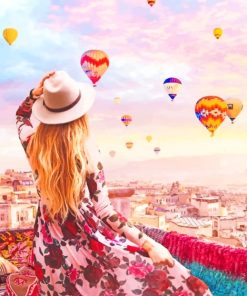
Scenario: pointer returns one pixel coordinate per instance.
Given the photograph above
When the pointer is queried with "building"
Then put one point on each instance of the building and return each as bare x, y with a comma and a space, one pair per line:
17, 215
191, 226
207, 206
150, 220
120, 199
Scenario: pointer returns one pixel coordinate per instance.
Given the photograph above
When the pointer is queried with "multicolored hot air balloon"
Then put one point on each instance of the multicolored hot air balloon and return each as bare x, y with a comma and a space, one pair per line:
129, 145
234, 107
157, 150
211, 111
172, 86
149, 138
151, 2
94, 63
10, 35
126, 119
117, 100
112, 153
218, 32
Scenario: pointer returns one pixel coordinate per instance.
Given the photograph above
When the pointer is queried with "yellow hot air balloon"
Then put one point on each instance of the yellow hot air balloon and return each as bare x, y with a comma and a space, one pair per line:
126, 119
234, 107
117, 100
10, 35
149, 138
129, 145
151, 2
211, 111
218, 32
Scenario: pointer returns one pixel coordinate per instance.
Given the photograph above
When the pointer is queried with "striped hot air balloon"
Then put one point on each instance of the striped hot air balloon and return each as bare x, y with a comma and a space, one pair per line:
151, 2
126, 119
172, 86
129, 145
157, 150
94, 63
211, 111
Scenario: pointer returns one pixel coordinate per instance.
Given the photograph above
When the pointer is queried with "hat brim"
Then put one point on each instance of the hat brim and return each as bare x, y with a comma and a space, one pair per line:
81, 108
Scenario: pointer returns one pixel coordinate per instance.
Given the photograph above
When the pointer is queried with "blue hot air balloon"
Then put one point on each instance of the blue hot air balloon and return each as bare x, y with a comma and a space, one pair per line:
172, 86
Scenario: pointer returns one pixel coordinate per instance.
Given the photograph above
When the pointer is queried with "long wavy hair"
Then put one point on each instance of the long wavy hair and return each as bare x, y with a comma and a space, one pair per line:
58, 154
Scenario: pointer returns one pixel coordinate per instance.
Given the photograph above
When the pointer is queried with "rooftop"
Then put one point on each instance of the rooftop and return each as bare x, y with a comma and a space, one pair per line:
192, 222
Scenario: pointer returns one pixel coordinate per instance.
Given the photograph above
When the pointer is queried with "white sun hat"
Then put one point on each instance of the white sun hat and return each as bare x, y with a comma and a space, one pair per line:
63, 99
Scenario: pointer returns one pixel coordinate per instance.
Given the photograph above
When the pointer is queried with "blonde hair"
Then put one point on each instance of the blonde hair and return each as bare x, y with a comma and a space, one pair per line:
59, 156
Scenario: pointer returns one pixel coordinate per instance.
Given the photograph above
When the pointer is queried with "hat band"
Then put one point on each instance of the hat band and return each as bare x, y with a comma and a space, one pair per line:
57, 110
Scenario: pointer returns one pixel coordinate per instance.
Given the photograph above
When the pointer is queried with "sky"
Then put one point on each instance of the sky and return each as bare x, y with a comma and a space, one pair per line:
145, 45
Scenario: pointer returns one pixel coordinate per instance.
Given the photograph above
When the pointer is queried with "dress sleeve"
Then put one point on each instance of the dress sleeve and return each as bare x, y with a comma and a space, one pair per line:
103, 207
24, 126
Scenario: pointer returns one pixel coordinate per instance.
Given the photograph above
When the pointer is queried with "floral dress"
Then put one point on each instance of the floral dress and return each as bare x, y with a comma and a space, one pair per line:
98, 253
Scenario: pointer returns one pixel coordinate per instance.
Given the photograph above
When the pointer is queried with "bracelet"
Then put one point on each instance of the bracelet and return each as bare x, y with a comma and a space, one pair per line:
31, 94
147, 246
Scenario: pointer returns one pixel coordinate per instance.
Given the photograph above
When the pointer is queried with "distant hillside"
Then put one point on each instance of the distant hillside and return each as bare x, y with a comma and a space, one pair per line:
205, 170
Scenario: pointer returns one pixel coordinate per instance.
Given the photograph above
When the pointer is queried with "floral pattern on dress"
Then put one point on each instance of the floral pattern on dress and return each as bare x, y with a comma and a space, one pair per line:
98, 253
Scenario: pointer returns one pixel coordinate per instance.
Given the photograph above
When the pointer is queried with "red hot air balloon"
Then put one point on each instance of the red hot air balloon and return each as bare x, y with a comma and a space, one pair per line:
151, 2
129, 145
126, 119
94, 63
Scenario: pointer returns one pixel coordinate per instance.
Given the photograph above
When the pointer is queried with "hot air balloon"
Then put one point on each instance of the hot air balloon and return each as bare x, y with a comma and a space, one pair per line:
157, 150
172, 86
149, 138
234, 107
94, 63
218, 32
211, 111
129, 145
117, 100
126, 119
112, 153
10, 35
151, 2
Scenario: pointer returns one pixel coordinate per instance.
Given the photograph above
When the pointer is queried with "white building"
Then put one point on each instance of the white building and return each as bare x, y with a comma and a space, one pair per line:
207, 206
17, 215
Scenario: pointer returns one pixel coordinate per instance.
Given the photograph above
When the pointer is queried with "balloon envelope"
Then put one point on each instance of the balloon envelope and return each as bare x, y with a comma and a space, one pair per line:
211, 111
129, 145
218, 32
117, 100
149, 138
10, 35
172, 86
151, 2
112, 153
157, 150
126, 119
234, 107
94, 63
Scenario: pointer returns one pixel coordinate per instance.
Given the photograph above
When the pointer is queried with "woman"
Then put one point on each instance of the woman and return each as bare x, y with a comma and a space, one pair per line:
82, 246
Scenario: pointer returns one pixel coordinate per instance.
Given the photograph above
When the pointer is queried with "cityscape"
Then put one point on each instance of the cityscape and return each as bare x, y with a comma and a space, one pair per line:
218, 215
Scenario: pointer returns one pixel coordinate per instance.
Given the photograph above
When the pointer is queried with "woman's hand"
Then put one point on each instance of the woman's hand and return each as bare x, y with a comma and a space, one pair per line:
38, 90
159, 254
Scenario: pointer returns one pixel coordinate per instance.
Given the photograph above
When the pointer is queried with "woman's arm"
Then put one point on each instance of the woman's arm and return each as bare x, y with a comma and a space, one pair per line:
24, 112
23, 123
103, 207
